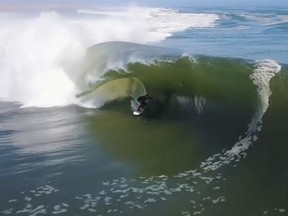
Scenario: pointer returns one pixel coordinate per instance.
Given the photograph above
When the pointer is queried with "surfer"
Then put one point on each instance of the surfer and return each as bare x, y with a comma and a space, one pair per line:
143, 100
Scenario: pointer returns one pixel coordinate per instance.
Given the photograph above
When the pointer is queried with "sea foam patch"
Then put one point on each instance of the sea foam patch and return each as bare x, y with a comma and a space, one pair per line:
160, 22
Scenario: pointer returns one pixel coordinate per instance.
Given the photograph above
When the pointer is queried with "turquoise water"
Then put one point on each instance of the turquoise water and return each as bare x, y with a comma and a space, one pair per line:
212, 141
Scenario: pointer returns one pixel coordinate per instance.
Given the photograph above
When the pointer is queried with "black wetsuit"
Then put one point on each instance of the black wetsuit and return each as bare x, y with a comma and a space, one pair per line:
143, 100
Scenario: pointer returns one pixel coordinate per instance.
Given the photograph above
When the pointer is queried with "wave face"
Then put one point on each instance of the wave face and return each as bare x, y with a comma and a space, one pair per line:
200, 89
170, 76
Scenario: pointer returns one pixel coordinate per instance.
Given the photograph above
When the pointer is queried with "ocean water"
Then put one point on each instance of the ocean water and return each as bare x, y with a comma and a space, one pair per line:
213, 141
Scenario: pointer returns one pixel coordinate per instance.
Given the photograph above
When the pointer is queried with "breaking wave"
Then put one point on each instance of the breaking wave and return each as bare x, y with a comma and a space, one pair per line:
40, 53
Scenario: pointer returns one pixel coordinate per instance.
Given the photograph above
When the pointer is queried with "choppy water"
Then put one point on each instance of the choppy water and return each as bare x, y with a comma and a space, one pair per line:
212, 141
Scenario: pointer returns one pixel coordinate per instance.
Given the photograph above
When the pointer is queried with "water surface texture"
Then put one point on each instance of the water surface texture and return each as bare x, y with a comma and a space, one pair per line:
213, 141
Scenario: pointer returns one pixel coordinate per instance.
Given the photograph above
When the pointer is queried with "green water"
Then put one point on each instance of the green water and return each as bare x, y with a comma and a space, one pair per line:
195, 155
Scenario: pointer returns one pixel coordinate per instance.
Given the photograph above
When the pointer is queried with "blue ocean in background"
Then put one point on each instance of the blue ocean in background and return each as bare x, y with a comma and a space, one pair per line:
213, 141
255, 33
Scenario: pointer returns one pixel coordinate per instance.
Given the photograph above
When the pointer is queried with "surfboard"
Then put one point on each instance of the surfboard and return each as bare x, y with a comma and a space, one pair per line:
137, 113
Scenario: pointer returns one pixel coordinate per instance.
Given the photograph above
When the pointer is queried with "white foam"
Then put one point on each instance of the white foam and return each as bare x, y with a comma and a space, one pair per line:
168, 21
161, 22
264, 71
30, 57
263, 19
